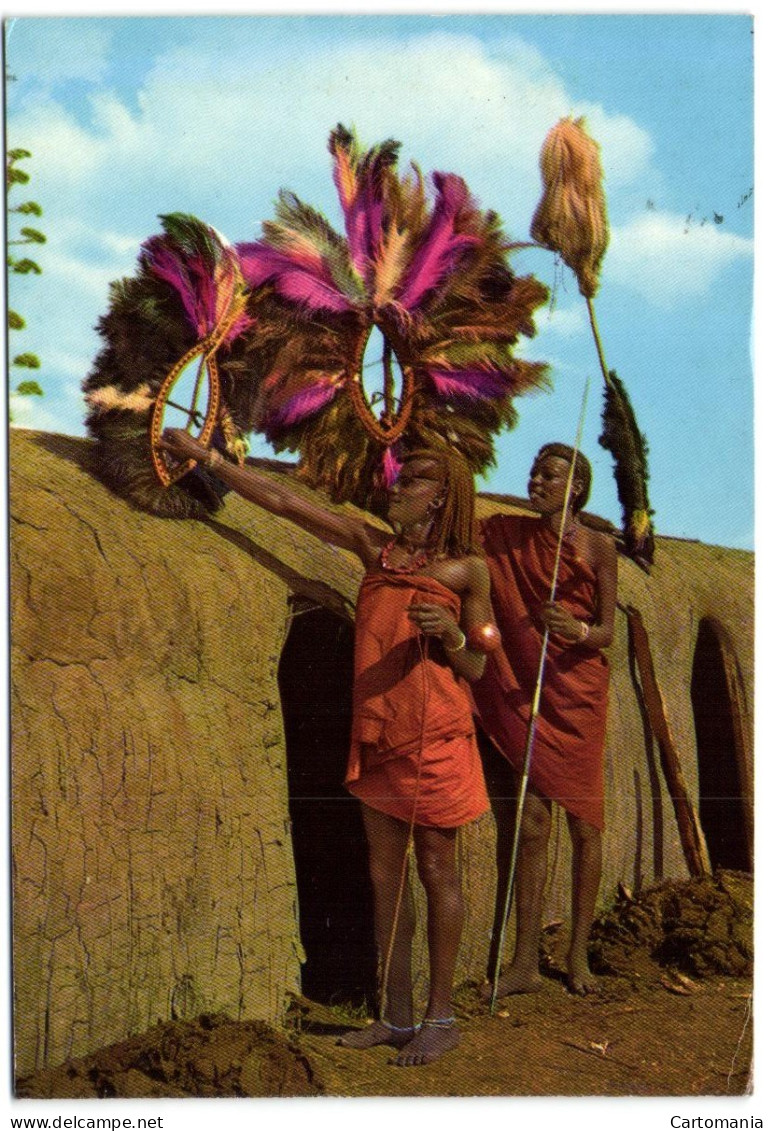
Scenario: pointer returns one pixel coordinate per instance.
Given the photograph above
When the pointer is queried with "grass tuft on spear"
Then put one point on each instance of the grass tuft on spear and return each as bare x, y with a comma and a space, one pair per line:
571, 220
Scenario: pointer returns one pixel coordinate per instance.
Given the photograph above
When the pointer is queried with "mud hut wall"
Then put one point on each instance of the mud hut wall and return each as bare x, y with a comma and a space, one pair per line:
722, 593
691, 583
152, 867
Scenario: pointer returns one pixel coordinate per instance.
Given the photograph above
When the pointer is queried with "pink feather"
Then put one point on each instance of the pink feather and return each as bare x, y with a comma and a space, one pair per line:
442, 245
391, 466
166, 264
475, 384
298, 278
206, 294
303, 404
239, 326
363, 220
360, 185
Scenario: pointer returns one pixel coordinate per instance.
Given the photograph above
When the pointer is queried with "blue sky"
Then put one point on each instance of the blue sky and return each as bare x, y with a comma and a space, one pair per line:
127, 118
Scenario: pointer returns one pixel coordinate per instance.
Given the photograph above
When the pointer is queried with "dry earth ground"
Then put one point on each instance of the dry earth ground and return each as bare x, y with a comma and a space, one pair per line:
673, 1018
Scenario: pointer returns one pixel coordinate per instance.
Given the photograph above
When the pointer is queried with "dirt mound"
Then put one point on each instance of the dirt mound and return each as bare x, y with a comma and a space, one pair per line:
700, 926
211, 1056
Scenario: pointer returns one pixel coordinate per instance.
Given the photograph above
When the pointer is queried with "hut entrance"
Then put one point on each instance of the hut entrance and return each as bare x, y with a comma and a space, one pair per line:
716, 695
329, 845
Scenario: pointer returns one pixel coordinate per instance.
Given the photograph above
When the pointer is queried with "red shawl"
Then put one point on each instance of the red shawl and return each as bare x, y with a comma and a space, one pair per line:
567, 759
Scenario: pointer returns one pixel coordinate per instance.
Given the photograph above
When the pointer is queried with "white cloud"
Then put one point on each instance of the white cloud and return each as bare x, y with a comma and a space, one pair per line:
44, 414
263, 122
626, 148
666, 259
65, 154
565, 322
55, 50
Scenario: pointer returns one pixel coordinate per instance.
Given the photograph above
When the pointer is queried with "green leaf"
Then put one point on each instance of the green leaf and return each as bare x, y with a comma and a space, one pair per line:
29, 208
15, 321
32, 235
25, 266
27, 361
29, 388
18, 154
16, 177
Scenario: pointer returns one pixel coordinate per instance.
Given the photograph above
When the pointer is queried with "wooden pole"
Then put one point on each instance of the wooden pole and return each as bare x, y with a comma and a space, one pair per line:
688, 823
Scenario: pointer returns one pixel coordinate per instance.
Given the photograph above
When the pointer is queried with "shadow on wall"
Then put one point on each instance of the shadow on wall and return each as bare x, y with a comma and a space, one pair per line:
717, 710
329, 844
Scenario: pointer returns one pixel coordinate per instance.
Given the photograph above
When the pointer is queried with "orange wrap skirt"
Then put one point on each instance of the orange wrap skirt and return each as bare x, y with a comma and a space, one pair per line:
413, 750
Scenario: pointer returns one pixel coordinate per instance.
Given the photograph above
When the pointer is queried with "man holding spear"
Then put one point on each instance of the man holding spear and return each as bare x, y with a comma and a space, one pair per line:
553, 591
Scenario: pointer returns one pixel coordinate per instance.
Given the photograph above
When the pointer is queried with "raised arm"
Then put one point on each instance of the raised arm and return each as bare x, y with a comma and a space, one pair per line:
346, 531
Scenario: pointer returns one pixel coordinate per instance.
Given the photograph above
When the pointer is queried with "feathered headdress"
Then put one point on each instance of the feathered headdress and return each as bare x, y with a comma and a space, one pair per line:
188, 299
571, 220
288, 318
431, 274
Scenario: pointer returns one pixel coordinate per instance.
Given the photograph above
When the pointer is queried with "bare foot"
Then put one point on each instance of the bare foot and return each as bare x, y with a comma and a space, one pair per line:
580, 980
430, 1043
377, 1033
512, 980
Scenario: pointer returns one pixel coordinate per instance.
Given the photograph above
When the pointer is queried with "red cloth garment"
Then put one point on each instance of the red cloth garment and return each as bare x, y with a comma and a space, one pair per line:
412, 720
567, 757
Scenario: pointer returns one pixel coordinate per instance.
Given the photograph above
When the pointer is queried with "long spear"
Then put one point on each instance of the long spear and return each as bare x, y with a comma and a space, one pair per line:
571, 220
535, 707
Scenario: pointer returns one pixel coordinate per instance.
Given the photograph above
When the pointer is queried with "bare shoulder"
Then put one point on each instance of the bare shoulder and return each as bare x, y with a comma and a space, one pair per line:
597, 547
468, 574
478, 573
602, 552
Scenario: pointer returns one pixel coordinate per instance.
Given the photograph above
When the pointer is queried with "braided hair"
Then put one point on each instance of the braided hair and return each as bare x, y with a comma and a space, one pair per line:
454, 530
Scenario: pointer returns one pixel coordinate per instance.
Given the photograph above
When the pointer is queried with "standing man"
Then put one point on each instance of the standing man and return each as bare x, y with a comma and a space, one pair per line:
567, 760
414, 764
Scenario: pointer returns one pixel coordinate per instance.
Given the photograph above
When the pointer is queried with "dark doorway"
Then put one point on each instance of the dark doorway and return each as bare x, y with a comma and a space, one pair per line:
721, 804
329, 846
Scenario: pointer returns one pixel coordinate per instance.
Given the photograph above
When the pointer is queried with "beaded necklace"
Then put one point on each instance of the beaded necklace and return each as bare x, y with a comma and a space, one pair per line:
416, 562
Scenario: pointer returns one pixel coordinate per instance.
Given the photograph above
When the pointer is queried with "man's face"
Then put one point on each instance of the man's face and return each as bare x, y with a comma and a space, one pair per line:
548, 483
418, 487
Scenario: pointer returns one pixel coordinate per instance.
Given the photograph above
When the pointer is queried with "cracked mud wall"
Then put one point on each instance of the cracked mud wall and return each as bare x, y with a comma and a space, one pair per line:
153, 869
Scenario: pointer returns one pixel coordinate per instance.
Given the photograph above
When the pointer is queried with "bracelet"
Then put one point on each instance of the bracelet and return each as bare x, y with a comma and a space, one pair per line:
457, 647
585, 630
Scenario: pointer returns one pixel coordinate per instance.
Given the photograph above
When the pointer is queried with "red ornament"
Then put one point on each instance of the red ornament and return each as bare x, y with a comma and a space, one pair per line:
484, 637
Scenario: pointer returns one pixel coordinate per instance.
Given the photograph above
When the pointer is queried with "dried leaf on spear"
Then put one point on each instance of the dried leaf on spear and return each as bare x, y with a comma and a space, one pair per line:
571, 220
